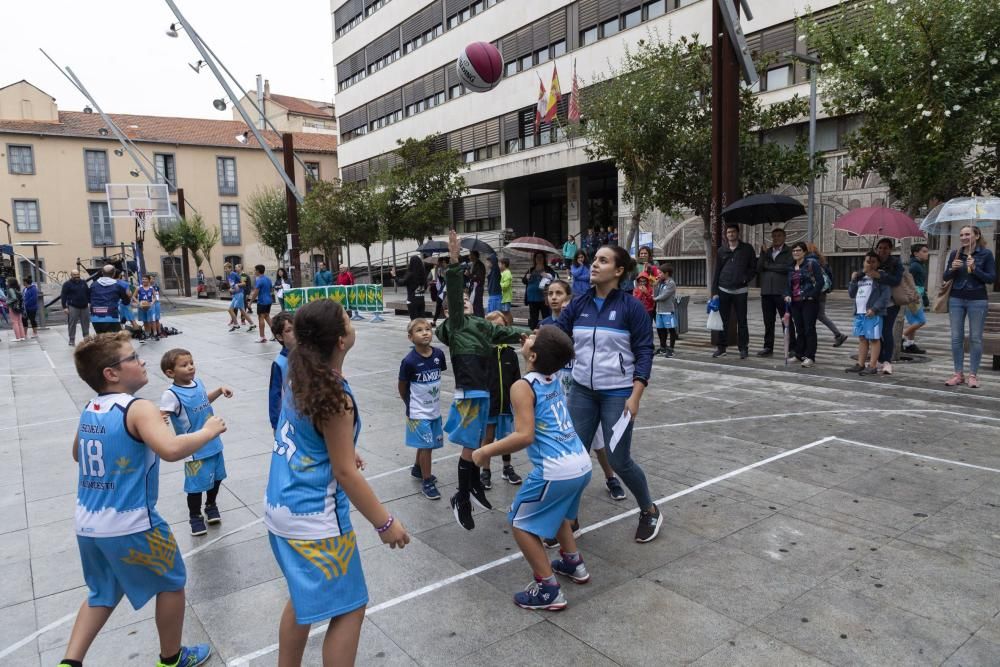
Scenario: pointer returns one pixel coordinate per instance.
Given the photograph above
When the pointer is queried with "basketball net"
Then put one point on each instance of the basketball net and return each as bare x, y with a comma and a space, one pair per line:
140, 218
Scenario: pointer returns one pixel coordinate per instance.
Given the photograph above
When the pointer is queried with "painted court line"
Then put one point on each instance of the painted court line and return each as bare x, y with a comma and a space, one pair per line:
430, 588
919, 456
49, 359
807, 413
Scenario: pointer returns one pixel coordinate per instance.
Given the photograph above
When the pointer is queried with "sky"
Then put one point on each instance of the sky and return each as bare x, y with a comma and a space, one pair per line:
120, 51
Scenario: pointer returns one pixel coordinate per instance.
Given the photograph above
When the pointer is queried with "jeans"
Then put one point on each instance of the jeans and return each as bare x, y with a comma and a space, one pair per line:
74, 315
804, 315
975, 310
726, 303
773, 306
824, 319
887, 341
587, 409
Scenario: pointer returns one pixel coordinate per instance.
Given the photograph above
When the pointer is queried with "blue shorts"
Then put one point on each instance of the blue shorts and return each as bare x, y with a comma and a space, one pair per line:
156, 311
324, 577
914, 316
424, 433
139, 565
125, 313
466, 423
493, 303
541, 506
236, 303
868, 327
666, 321
504, 425
146, 315
202, 474
504, 307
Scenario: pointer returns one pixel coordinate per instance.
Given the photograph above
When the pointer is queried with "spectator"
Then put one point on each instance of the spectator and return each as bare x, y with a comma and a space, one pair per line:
665, 318
494, 292
735, 267
838, 337
569, 251
644, 263
476, 276
537, 279
914, 315
805, 282
773, 266
580, 273
643, 291
612, 236
15, 301
344, 278
281, 283
593, 242
106, 294
30, 295
971, 267
892, 274
323, 276
438, 288
415, 283
75, 299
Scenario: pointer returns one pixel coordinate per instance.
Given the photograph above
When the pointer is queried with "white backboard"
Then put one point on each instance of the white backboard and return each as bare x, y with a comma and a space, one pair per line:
125, 198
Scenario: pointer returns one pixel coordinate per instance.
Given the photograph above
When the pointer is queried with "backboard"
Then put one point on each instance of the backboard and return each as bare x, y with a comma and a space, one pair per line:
124, 199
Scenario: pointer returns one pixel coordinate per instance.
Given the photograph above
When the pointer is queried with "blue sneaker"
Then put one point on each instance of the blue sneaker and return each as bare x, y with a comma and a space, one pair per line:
212, 514
539, 595
416, 474
576, 572
190, 656
198, 526
430, 490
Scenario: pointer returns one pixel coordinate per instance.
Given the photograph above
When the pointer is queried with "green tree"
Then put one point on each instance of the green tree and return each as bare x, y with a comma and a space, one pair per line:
324, 222
170, 240
924, 74
366, 209
652, 117
268, 214
200, 239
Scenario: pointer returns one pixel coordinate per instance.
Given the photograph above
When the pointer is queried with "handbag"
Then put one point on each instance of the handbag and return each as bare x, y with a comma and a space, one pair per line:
714, 321
905, 292
941, 300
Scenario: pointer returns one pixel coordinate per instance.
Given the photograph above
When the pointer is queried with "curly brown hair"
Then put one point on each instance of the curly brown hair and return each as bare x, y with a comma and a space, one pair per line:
316, 390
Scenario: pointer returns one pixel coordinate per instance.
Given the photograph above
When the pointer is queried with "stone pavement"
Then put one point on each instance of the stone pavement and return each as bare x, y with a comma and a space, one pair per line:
812, 518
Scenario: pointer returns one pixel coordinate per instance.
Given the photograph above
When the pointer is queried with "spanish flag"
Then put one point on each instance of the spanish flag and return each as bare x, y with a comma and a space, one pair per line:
555, 95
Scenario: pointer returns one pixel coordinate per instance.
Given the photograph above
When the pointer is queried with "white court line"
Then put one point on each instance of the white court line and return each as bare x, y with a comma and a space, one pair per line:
429, 588
50, 421
51, 364
69, 617
919, 456
816, 412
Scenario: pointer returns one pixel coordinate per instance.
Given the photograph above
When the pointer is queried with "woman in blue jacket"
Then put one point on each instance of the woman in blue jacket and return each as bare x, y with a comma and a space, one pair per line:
972, 268
580, 273
536, 280
614, 356
805, 284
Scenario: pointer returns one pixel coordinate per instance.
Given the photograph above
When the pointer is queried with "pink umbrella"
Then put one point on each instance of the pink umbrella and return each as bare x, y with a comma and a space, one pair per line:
878, 221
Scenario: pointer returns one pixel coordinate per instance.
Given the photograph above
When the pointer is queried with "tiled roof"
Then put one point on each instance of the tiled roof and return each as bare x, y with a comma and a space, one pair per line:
300, 105
166, 130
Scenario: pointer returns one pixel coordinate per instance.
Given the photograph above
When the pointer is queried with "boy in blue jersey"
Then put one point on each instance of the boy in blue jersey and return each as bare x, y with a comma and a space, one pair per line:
313, 480
125, 546
262, 295
547, 503
188, 405
146, 297
420, 388
237, 304
157, 331
284, 332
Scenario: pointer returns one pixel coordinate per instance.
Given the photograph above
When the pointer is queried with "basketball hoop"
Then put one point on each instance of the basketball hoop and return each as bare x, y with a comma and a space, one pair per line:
140, 215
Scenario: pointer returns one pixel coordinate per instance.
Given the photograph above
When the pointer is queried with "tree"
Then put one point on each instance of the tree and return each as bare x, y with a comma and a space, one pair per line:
170, 240
200, 239
924, 76
652, 117
324, 222
268, 214
418, 183
366, 208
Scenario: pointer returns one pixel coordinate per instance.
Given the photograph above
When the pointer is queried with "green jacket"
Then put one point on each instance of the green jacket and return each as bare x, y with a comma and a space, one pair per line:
470, 339
506, 286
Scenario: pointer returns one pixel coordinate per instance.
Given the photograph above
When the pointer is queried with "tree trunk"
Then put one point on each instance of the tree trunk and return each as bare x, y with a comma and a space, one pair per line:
186, 271
709, 253
368, 261
633, 233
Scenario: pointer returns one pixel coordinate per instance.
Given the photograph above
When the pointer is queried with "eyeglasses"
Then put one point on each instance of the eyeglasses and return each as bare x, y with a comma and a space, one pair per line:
132, 357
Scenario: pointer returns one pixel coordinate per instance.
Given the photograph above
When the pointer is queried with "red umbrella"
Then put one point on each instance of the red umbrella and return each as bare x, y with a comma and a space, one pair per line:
879, 221
531, 244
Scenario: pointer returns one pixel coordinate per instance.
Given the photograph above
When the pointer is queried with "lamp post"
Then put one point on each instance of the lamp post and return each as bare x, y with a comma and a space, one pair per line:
812, 66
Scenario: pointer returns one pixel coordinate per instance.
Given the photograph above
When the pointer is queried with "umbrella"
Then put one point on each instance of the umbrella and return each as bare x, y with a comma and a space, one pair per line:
433, 246
878, 221
786, 322
482, 247
531, 244
762, 209
978, 211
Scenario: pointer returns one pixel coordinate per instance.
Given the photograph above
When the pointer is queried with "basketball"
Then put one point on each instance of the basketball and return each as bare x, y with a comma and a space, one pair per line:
479, 67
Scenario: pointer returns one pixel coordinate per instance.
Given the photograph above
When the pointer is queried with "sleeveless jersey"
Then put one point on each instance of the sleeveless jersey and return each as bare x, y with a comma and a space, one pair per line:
146, 294
303, 500
556, 451
191, 413
119, 475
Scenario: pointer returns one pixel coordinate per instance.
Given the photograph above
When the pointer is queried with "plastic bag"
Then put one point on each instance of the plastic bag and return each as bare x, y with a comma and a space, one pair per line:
714, 321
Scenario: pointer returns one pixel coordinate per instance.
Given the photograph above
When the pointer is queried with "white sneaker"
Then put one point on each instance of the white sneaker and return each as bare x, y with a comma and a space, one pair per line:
807, 363
880, 366
886, 368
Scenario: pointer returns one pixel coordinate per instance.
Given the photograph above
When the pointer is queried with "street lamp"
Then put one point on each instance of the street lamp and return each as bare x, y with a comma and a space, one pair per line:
812, 66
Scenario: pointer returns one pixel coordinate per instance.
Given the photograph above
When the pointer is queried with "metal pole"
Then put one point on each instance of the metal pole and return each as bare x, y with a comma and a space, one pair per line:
810, 213
292, 206
38, 286
395, 285
185, 265
196, 40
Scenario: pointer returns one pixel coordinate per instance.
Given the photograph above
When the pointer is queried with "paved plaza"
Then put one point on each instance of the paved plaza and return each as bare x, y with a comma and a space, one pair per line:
811, 518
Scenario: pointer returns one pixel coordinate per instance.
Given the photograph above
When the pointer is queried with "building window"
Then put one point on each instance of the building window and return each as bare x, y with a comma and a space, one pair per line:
609, 28
632, 19
166, 170
26, 217
559, 48
312, 175
588, 36
96, 163
229, 219
20, 159
779, 77
28, 270
656, 9
525, 62
541, 56
225, 168
102, 225
456, 91
510, 69
513, 145
469, 157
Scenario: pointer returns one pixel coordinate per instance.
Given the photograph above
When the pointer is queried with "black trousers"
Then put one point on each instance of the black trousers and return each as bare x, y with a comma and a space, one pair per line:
773, 306
477, 301
804, 315
416, 307
438, 310
106, 327
726, 303
888, 343
537, 311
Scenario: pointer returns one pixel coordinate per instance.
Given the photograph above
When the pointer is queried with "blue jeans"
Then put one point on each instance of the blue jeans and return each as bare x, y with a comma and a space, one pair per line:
888, 342
587, 409
958, 309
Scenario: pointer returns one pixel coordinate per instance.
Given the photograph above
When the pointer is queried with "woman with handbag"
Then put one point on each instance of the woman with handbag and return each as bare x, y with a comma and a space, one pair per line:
970, 269
891, 271
805, 283
536, 280
15, 302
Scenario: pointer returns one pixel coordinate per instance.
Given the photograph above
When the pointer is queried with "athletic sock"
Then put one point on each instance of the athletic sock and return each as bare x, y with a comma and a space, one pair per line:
213, 493
571, 556
548, 581
506, 458
172, 660
467, 471
71, 663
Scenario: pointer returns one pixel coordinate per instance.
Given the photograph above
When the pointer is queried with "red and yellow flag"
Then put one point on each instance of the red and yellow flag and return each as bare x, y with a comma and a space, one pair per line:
540, 105
574, 100
555, 95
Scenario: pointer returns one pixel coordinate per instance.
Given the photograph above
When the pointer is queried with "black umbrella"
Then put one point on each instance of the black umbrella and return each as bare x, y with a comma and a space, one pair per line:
483, 248
433, 246
763, 209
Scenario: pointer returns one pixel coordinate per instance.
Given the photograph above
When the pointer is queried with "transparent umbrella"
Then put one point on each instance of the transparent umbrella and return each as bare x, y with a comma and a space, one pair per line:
954, 213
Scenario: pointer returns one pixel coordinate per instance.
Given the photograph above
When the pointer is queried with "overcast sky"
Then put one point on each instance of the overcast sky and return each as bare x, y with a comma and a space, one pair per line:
119, 50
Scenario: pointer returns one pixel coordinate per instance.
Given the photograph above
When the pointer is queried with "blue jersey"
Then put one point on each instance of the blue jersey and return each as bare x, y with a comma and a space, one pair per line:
119, 475
423, 396
146, 294
303, 500
189, 409
264, 286
556, 452
276, 387
234, 282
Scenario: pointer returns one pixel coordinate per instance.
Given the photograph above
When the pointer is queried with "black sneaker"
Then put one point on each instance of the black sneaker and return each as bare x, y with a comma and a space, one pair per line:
649, 525
913, 349
669, 353
721, 352
744, 354
251, 327
510, 476
552, 543
212, 514
462, 510
486, 478
856, 368
477, 494
615, 488
766, 352
234, 327
839, 340
198, 526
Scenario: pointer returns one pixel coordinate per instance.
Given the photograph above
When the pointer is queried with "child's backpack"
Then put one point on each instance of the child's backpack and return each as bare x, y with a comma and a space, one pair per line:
827, 279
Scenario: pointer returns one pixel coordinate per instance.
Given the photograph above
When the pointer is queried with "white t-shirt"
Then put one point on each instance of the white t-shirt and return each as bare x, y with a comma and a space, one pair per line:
865, 286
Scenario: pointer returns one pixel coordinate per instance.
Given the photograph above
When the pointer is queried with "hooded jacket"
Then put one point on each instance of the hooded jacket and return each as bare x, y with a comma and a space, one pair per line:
734, 267
105, 295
